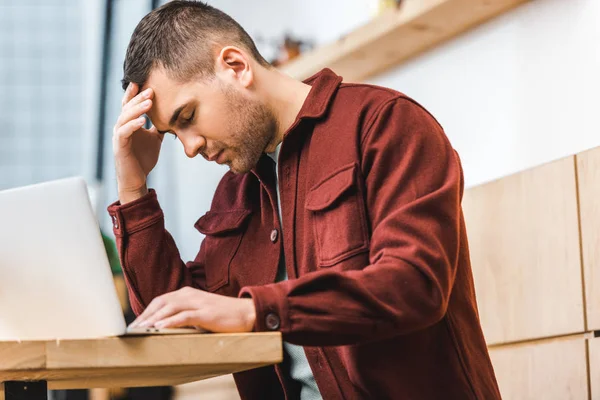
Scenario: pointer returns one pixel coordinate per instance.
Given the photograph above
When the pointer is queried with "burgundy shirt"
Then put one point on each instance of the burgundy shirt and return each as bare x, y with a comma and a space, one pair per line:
380, 288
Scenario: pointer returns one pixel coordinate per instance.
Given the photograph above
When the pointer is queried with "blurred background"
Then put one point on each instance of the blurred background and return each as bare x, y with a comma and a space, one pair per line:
516, 92
513, 93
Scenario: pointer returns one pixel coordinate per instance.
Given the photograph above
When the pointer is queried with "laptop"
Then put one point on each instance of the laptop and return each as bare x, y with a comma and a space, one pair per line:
55, 278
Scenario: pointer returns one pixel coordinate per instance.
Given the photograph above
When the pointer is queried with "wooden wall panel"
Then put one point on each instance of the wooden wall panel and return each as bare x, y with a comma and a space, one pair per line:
594, 358
524, 241
549, 370
588, 171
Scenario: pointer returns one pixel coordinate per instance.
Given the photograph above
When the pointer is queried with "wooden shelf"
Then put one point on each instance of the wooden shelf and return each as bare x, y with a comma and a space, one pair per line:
398, 36
136, 361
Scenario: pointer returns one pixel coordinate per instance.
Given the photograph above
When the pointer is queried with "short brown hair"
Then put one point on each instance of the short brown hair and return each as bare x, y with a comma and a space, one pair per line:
181, 37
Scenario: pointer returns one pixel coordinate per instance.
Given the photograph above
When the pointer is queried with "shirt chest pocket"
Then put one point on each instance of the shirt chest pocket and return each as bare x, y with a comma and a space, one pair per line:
338, 216
224, 231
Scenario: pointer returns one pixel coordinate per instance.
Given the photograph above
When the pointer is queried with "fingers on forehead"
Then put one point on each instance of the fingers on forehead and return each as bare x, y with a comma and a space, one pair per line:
130, 92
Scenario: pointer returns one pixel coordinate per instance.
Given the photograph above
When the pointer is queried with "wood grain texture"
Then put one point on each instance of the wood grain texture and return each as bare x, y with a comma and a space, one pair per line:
397, 36
162, 351
24, 355
549, 370
524, 243
588, 171
138, 361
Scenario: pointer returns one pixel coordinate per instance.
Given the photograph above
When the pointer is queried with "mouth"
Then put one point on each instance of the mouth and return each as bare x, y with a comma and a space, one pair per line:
221, 158
214, 157
218, 157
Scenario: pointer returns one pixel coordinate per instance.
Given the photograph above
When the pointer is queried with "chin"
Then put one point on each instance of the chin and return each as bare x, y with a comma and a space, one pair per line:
236, 169
239, 169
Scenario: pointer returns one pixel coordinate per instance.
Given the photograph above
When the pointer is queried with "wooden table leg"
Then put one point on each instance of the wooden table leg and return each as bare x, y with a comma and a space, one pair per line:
20, 390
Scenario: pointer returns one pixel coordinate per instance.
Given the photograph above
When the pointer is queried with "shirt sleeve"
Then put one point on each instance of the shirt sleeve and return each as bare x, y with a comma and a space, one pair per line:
149, 257
414, 186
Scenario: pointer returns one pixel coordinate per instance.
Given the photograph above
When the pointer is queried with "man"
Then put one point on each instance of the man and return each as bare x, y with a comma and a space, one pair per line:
339, 224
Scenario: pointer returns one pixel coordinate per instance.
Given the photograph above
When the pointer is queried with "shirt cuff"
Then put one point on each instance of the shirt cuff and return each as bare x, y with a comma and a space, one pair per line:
136, 215
270, 302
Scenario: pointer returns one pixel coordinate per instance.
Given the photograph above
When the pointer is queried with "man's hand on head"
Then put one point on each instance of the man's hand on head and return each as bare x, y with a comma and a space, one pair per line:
135, 148
192, 307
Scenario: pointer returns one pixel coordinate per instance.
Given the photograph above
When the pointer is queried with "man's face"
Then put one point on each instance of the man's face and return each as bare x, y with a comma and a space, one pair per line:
213, 118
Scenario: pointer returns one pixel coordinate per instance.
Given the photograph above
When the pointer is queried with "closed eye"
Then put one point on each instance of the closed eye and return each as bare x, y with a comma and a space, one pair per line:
187, 121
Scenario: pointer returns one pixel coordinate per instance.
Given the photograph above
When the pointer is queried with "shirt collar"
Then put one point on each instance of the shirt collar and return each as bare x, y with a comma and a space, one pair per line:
324, 85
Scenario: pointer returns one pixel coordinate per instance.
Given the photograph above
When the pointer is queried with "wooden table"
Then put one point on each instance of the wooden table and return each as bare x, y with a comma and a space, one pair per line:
28, 369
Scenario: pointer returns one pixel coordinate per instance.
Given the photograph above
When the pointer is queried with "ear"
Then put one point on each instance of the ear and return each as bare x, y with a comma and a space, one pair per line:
234, 65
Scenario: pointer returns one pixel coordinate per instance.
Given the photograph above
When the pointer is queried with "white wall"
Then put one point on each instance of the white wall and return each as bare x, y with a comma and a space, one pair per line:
517, 92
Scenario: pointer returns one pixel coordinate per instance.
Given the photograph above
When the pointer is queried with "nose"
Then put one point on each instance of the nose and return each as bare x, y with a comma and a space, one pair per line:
190, 152
193, 145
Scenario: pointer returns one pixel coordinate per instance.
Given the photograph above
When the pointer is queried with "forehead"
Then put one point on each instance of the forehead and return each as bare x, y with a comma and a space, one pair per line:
170, 94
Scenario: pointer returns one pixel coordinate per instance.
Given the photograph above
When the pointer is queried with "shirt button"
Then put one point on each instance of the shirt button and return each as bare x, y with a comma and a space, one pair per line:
274, 235
115, 223
272, 321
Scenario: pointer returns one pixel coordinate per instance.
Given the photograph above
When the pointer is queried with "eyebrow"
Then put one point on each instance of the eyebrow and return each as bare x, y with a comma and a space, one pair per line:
174, 118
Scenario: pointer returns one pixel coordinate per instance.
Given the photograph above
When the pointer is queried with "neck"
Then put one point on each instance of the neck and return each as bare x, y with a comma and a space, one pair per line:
285, 96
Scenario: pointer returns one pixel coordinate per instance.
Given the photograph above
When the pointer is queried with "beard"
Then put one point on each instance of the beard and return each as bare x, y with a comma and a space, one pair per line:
252, 128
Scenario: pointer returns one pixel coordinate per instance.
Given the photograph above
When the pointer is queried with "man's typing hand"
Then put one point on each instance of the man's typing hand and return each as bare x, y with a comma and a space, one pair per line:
192, 307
